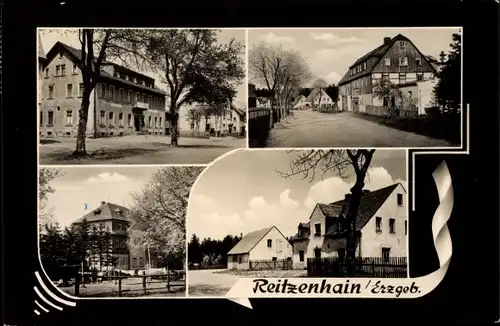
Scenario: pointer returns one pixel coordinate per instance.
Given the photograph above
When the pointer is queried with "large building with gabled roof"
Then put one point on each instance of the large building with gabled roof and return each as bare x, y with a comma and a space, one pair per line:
397, 60
123, 101
381, 227
116, 219
265, 244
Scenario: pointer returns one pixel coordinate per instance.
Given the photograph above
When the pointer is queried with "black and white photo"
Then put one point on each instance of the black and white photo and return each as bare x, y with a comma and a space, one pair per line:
355, 87
303, 213
140, 96
115, 232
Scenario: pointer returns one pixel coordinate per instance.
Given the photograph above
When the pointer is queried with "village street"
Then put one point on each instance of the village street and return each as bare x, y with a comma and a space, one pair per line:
209, 283
138, 149
307, 128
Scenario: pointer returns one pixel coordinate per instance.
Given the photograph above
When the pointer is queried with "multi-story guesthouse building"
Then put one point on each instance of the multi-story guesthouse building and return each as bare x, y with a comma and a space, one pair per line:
115, 218
381, 227
123, 102
397, 60
231, 121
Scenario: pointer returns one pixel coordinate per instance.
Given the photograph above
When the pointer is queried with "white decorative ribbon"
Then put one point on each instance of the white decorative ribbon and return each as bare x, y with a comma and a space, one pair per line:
363, 287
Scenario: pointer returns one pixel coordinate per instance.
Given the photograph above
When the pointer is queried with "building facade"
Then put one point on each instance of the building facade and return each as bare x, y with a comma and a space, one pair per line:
397, 61
115, 218
265, 244
232, 121
123, 102
381, 228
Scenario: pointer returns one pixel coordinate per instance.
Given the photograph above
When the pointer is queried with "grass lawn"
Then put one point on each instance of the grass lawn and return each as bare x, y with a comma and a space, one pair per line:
131, 287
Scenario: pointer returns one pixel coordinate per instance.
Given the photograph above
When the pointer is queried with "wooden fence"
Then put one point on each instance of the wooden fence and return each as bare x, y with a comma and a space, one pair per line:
392, 267
259, 124
261, 265
202, 267
172, 281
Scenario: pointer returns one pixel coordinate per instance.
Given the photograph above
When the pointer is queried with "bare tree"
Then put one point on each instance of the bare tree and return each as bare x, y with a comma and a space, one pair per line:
345, 164
265, 63
295, 74
318, 89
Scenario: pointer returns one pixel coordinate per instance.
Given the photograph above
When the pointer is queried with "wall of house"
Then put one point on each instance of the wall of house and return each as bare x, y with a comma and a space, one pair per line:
238, 262
315, 241
299, 245
396, 52
280, 247
373, 242
58, 109
426, 95
110, 115
230, 119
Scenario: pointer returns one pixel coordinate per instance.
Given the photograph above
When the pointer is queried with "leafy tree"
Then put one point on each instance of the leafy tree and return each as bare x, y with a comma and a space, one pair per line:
332, 91
194, 249
195, 67
345, 163
95, 46
159, 212
45, 176
447, 90
52, 253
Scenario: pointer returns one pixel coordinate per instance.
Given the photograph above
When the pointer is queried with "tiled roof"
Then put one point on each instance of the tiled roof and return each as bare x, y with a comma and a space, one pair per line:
331, 210
369, 205
378, 52
246, 244
78, 54
304, 225
41, 52
107, 211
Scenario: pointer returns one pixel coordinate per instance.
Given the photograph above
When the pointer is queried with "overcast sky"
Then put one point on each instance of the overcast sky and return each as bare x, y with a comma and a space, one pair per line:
51, 36
330, 52
242, 192
81, 189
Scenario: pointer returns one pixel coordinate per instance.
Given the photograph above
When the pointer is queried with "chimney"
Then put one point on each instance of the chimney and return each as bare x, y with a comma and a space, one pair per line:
103, 202
387, 40
345, 205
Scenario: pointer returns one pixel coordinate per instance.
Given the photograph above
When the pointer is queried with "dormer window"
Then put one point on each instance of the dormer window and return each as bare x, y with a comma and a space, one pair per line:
97, 211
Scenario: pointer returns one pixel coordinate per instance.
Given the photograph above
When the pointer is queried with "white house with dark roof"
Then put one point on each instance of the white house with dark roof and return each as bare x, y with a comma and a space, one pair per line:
300, 102
116, 219
264, 244
397, 60
381, 227
319, 98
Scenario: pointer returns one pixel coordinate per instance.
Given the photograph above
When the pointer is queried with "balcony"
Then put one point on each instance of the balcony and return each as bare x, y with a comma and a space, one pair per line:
140, 105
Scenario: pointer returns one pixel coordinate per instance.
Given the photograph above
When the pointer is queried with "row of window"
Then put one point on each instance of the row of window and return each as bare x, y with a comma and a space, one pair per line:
341, 253
392, 225
403, 62
365, 81
61, 71
69, 91
134, 262
110, 121
120, 75
108, 92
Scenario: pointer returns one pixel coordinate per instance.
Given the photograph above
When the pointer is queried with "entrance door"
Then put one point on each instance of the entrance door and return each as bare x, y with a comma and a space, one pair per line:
355, 104
317, 253
137, 122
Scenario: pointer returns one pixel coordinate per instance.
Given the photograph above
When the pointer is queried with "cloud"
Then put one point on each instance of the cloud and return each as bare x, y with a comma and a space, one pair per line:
206, 218
107, 177
274, 39
334, 40
332, 78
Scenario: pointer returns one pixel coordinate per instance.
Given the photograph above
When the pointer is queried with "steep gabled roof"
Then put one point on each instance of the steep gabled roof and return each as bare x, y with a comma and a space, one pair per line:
41, 52
240, 112
298, 99
314, 94
370, 203
378, 53
105, 212
250, 240
76, 55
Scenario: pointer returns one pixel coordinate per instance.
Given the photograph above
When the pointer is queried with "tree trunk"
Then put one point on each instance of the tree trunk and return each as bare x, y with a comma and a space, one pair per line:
356, 193
82, 126
174, 127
